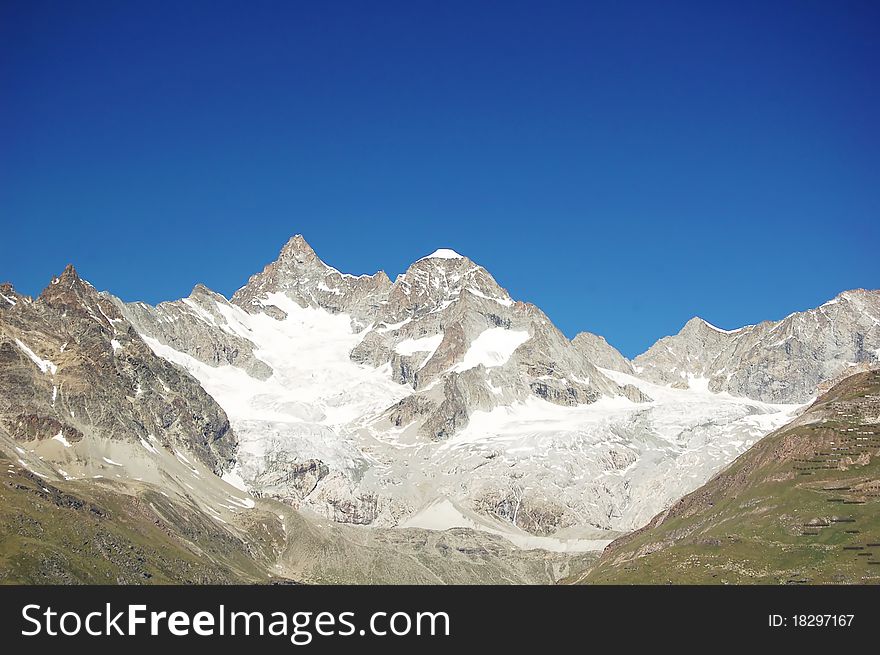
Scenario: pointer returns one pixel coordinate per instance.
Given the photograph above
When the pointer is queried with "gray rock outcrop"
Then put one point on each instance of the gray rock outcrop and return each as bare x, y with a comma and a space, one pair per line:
597, 350
74, 370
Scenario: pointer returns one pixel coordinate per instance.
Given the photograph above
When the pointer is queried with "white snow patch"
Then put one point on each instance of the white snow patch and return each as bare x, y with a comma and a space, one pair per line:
233, 478
149, 448
506, 302
444, 253
493, 347
111, 462
323, 287
314, 391
496, 390
390, 327
422, 345
247, 503
721, 330
698, 383
115, 344
44, 364
60, 438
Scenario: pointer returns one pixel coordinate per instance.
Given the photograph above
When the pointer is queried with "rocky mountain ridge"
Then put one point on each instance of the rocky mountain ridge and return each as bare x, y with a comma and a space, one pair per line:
445, 326
110, 458
78, 380
774, 361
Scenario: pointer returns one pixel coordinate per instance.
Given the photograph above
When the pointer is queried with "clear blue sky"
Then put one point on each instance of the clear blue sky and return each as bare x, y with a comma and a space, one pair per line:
624, 166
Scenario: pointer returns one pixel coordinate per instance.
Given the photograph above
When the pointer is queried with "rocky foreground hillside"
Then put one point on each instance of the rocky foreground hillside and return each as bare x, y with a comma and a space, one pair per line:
127, 532
801, 506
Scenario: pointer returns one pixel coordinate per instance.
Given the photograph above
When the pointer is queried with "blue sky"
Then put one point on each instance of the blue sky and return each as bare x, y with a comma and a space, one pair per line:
624, 166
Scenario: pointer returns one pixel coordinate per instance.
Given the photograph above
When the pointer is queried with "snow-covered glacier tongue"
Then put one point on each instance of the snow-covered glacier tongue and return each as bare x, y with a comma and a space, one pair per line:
439, 401
297, 427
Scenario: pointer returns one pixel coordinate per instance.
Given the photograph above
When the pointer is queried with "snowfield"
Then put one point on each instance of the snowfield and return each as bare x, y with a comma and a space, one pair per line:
539, 474
314, 392
616, 462
491, 348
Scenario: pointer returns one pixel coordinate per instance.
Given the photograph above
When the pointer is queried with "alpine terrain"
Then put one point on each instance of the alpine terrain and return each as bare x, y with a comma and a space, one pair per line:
323, 427
799, 507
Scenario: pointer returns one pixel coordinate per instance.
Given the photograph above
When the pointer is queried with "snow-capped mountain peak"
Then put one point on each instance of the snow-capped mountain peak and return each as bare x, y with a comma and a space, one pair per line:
432, 284
443, 253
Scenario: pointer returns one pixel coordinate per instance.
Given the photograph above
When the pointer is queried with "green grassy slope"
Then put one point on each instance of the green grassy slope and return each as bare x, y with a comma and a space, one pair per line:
802, 506
90, 535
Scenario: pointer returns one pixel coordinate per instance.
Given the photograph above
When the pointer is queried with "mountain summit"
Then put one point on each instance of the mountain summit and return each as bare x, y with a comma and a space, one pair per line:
443, 253
299, 274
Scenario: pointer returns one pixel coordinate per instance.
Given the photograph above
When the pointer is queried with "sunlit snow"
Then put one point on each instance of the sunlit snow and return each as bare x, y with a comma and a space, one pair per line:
612, 464
43, 364
443, 253
493, 347
306, 408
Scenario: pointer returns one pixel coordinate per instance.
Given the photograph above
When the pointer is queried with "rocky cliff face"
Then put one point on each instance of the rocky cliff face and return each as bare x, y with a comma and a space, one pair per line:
195, 325
595, 349
76, 381
782, 361
454, 335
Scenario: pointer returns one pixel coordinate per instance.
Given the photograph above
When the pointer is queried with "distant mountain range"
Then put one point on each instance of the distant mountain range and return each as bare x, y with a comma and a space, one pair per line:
433, 402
